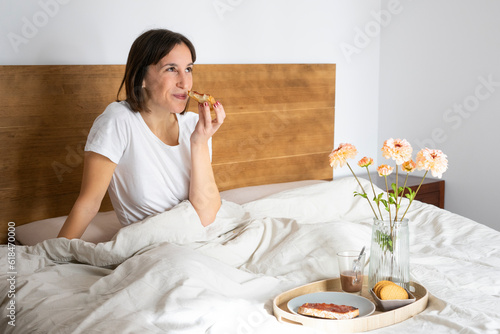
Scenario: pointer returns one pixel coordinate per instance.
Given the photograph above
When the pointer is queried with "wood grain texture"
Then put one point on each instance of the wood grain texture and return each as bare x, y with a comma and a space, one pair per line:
279, 125
279, 128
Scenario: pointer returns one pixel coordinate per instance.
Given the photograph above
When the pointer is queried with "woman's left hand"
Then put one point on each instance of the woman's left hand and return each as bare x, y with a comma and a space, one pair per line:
206, 126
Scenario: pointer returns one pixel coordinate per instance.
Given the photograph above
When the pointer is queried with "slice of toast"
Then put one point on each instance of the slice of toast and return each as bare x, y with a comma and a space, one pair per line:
329, 311
201, 98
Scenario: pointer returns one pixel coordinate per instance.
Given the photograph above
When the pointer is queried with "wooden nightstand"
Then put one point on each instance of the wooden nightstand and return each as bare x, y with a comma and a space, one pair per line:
431, 191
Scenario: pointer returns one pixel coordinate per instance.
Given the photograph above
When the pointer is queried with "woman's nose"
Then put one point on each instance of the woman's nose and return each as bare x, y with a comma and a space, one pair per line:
183, 80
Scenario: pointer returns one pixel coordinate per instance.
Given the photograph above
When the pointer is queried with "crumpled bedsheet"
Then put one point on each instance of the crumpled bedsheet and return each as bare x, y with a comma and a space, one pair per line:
168, 274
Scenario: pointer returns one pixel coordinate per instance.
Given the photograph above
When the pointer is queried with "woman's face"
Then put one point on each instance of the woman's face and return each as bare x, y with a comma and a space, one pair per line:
168, 82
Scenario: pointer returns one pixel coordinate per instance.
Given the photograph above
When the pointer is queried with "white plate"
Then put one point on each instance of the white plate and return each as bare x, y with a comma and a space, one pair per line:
365, 306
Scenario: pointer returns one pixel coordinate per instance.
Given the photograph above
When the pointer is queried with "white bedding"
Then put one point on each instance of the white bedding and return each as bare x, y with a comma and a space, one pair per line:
169, 275
105, 224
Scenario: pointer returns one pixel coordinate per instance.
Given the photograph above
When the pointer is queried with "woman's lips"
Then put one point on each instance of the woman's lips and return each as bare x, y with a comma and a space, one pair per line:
181, 96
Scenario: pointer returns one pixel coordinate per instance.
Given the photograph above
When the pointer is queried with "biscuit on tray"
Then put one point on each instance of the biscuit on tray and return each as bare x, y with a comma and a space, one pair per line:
393, 291
387, 290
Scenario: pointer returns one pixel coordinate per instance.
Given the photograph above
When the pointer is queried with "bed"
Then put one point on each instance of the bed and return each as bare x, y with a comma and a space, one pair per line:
282, 220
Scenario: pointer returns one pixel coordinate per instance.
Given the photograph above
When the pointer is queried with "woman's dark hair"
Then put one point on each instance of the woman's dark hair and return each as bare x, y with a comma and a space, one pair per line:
148, 49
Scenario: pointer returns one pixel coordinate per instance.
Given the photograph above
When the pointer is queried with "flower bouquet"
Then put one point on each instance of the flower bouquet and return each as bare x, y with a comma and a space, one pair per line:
389, 259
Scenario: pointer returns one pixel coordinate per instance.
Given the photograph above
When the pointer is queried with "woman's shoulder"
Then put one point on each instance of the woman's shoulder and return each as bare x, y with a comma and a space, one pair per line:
117, 115
119, 109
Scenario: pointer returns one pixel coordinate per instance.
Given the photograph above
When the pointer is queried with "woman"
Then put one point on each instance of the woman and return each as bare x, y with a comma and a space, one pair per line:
147, 150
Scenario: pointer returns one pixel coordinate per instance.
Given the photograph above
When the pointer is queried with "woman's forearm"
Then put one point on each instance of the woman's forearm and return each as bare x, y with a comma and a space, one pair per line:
78, 220
203, 192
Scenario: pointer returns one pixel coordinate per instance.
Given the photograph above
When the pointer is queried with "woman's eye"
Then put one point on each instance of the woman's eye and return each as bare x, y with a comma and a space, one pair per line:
170, 69
189, 69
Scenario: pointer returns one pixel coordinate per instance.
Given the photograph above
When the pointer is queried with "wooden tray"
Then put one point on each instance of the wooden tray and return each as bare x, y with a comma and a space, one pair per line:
378, 319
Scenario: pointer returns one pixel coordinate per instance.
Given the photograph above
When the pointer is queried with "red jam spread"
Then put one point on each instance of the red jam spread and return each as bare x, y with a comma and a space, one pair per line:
330, 307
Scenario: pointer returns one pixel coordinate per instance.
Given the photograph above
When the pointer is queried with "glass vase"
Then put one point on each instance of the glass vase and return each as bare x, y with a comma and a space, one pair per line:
390, 253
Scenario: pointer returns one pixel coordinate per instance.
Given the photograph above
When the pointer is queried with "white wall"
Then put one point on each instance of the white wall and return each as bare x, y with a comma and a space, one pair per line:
431, 56
223, 31
435, 59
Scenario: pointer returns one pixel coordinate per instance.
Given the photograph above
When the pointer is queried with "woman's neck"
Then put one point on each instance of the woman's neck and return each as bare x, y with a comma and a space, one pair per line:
163, 125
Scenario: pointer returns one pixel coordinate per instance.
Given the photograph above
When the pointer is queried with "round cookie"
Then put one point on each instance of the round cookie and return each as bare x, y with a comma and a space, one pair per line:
380, 285
393, 291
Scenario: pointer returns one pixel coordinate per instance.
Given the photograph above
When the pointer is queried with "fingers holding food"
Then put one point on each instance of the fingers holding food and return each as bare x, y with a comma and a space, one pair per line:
206, 126
220, 114
201, 98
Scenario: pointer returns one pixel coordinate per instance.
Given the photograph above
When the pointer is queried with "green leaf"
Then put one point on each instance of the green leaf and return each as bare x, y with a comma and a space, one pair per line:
384, 241
411, 194
360, 194
392, 200
378, 198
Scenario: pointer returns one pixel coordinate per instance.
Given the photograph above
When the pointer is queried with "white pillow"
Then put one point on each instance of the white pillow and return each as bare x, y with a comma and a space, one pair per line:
102, 228
248, 194
105, 224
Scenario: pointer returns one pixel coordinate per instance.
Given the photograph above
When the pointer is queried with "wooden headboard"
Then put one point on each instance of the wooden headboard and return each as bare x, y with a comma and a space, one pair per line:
279, 128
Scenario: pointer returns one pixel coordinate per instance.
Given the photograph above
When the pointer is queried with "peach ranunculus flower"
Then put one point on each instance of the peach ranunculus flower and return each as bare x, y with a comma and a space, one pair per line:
397, 149
409, 166
339, 156
433, 160
365, 162
384, 170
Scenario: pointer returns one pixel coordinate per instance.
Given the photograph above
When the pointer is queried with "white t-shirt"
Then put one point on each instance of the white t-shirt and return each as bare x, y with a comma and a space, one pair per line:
151, 176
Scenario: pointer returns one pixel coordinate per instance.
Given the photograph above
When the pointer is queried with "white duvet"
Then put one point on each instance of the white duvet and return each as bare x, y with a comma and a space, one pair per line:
167, 274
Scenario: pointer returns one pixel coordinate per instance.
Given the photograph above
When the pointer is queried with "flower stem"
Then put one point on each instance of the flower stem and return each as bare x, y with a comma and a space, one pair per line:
374, 194
388, 205
411, 201
364, 192
397, 193
404, 187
